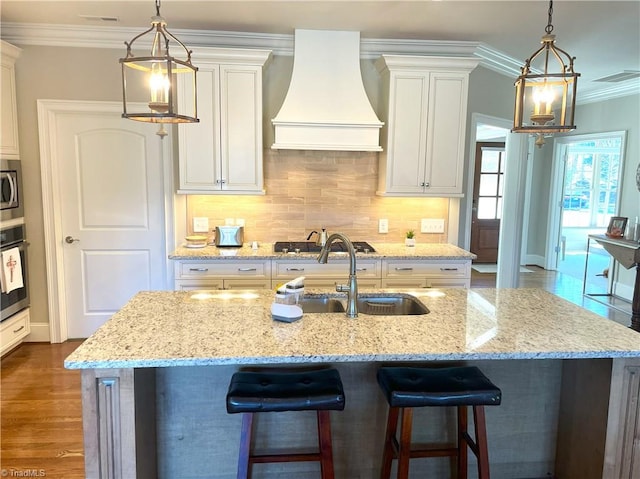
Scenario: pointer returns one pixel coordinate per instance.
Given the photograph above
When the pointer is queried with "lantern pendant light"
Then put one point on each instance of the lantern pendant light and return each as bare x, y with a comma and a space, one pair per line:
546, 89
153, 79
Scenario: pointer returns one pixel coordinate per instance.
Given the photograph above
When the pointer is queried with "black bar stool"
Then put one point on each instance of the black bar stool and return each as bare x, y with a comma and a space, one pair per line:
277, 391
408, 387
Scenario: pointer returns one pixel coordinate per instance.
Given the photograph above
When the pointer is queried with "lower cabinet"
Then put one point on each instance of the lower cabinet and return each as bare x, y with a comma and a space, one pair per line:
371, 273
326, 275
219, 274
426, 274
14, 330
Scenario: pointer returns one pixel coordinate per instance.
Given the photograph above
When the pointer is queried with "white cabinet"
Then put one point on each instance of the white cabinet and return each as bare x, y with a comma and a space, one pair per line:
425, 124
326, 275
9, 149
225, 274
371, 273
426, 274
14, 330
222, 154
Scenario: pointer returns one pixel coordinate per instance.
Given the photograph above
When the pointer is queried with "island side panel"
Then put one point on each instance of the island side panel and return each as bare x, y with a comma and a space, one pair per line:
622, 454
118, 415
582, 424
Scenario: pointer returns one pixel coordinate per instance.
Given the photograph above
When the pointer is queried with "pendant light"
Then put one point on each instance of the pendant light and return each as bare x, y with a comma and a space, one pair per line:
153, 79
546, 90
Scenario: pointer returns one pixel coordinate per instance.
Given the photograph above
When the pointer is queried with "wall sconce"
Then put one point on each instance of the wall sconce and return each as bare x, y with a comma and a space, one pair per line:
153, 79
546, 90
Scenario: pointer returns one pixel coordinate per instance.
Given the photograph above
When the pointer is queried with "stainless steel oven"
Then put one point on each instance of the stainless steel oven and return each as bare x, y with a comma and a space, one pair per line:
13, 241
11, 190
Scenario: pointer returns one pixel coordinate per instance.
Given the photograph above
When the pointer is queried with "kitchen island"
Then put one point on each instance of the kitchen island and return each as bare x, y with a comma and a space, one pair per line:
155, 376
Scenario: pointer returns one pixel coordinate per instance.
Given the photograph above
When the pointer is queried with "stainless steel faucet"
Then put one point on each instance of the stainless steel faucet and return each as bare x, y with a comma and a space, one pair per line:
352, 287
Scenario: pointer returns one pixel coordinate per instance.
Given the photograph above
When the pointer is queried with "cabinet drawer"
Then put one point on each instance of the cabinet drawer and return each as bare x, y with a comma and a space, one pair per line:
247, 283
332, 269
194, 284
330, 283
14, 329
225, 269
425, 268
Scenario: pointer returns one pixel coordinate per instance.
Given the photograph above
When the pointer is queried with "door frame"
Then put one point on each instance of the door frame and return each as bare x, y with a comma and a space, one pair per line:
557, 182
48, 111
513, 232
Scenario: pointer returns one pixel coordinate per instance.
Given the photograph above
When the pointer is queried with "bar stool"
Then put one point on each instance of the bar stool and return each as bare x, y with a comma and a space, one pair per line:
406, 388
277, 391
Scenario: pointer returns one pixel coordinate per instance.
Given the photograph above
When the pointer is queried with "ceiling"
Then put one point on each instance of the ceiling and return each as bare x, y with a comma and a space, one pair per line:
604, 36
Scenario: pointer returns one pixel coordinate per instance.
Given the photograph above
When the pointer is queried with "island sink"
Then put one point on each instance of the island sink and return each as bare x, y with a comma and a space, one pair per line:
377, 305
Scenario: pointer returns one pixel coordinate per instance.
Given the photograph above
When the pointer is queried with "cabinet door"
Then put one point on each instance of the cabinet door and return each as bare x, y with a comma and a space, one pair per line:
194, 284
199, 143
409, 282
406, 147
446, 133
9, 113
241, 128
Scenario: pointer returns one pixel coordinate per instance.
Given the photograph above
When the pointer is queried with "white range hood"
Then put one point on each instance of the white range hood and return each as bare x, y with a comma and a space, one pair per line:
326, 107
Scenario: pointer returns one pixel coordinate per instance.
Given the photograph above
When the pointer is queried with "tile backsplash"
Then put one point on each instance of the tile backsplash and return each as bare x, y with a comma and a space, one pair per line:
310, 190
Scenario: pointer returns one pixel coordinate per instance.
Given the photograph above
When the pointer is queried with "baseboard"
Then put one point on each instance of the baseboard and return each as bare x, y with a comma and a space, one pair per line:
623, 290
533, 260
39, 333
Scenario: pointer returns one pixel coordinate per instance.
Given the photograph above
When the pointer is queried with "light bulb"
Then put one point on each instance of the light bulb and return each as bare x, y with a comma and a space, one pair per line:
159, 89
543, 95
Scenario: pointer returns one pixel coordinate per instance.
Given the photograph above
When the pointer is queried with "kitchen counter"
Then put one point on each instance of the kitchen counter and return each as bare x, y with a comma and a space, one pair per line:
441, 251
164, 329
154, 379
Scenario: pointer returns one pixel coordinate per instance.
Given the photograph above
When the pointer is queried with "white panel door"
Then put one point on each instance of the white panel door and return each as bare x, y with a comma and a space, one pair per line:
112, 214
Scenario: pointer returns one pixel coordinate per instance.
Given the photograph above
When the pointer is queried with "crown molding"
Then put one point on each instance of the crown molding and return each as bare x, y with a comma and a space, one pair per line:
631, 87
282, 44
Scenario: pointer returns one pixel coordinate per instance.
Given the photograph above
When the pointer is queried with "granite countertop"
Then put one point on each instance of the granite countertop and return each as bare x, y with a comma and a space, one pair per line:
435, 251
182, 328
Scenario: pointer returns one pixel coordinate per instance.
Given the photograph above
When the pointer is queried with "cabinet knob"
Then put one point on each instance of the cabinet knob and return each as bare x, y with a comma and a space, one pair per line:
221, 181
426, 185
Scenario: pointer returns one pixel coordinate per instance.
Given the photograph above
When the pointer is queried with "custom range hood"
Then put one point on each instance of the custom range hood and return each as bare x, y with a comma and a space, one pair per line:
326, 107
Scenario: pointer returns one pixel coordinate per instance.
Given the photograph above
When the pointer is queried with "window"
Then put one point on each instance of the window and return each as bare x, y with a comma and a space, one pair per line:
491, 184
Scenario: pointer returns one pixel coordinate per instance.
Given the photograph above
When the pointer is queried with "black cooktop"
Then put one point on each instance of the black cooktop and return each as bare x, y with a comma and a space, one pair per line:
312, 247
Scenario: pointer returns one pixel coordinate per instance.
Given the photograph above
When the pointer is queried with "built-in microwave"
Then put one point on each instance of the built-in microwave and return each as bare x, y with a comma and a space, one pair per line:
11, 190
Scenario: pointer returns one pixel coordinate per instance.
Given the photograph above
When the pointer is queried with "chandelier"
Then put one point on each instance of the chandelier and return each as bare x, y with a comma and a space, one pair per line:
546, 90
153, 79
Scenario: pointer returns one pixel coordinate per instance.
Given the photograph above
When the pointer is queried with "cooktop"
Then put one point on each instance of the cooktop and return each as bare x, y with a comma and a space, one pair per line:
312, 247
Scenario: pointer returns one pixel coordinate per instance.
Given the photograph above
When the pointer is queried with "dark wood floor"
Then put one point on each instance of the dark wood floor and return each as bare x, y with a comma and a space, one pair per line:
40, 408
41, 413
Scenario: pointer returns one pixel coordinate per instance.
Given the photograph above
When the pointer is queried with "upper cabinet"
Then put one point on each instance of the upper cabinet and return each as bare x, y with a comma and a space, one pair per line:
425, 109
222, 154
9, 149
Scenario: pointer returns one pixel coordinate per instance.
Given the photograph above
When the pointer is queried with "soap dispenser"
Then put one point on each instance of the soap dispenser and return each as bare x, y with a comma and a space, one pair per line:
322, 238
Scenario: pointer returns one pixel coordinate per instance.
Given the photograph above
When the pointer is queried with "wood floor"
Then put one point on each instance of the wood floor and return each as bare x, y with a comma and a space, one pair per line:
40, 408
41, 413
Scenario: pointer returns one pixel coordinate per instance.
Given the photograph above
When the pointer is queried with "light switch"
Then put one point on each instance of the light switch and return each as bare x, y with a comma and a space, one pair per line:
383, 226
432, 225
200, 224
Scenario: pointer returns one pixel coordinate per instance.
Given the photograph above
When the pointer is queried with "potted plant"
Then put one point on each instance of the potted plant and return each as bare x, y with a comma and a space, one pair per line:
410, 240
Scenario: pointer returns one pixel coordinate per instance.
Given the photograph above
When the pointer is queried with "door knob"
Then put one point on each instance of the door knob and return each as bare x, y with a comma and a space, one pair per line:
70, 239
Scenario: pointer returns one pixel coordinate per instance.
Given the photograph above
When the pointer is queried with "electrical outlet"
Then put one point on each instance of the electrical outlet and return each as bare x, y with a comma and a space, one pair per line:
200, 224
430, 225
383, 226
